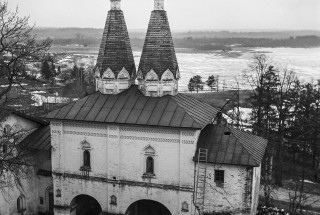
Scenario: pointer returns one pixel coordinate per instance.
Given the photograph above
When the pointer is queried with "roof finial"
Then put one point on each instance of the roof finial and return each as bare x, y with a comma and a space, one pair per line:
115, 4
158, 4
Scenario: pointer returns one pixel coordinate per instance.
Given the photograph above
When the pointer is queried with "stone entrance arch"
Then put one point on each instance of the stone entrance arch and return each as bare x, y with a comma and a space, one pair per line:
147, 207
84, 205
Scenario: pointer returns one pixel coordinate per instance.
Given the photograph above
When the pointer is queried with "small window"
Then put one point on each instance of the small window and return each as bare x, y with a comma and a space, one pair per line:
113, 200
150, 165
21, 203
86, 158
219, 176
41, 200
227, 133
185, 207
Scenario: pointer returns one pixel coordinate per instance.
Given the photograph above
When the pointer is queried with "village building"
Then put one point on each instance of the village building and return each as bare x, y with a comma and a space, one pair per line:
143, 149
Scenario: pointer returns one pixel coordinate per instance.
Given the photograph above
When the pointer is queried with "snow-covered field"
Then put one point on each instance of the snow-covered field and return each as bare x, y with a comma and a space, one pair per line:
305, 62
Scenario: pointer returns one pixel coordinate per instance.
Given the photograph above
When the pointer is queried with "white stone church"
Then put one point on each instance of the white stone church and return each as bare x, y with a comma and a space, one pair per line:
140, 149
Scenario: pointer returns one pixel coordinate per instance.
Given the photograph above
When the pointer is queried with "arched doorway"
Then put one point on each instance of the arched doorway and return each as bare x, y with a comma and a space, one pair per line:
84, 205
49, 199
147, 207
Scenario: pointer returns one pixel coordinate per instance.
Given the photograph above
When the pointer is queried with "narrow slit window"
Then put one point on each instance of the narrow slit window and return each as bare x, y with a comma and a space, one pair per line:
86, 158
150, 165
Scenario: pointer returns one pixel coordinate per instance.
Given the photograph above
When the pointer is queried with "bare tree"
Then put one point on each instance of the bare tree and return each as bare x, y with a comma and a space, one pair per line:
17, 48
15, 160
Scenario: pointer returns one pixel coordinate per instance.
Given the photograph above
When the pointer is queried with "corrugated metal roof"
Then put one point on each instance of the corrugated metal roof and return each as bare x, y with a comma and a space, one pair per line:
228, 145
132, 107
158, 50
39, 139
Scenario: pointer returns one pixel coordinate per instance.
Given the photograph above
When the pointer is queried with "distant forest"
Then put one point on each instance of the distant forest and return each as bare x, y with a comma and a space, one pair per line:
199, 40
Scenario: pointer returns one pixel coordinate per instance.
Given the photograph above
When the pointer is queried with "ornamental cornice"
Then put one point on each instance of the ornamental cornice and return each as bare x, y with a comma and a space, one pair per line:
148, 130
86, 133
154, 139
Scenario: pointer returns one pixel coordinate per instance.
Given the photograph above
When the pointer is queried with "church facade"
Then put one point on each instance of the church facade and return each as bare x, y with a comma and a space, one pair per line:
136, 149
144, 148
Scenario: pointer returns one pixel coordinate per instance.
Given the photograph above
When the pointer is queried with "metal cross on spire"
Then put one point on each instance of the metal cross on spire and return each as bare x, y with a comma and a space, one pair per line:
158, 4
115, 4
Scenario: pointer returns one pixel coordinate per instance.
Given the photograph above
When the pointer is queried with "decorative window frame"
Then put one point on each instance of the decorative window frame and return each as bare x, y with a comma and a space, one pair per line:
113, 200
167, 76
152, 76
149, 151
21, 204
108, 75
85, 146
184, 207
123, 74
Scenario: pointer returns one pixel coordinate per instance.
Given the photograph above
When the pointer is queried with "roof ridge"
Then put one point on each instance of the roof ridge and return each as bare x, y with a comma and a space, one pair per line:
184, 110
202, 116
242, 134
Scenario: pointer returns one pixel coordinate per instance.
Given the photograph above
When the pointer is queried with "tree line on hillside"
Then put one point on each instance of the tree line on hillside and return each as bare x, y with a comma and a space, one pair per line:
207, 43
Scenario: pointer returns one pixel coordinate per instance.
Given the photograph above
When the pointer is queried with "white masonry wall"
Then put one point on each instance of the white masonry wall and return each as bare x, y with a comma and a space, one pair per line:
118, 164
238, 194
8, 199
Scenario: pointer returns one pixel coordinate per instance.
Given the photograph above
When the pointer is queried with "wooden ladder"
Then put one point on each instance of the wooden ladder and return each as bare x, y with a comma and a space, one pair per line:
199, 194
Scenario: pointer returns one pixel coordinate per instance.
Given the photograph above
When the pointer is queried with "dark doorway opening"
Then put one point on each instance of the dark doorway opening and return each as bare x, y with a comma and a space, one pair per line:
84, 205
147, 207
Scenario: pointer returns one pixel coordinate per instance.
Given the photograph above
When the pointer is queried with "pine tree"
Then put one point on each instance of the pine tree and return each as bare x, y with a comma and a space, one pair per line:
45, 70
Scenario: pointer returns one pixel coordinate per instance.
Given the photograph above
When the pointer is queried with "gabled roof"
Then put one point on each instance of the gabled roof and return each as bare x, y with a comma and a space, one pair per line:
5, 112
228, 145
132, 107
115, 50
40, 139
158, 50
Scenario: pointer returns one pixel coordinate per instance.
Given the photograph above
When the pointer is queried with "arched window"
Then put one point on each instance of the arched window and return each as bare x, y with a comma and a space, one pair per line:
149, 162
150, 165
86, 158
113, 200
21, 203
185, 207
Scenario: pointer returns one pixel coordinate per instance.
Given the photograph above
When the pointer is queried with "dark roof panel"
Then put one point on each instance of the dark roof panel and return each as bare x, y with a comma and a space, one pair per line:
40, 139
132, 107
238, 148
74, 111
87, 107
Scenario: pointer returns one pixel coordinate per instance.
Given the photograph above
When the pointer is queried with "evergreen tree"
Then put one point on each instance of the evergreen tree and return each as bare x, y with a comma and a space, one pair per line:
75, 71
45, 70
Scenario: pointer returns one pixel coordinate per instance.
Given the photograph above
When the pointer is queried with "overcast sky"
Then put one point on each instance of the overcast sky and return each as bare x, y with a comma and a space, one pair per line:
183, 14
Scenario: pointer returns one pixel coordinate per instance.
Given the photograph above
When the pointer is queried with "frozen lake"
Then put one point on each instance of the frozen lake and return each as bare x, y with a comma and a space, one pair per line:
305, 62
